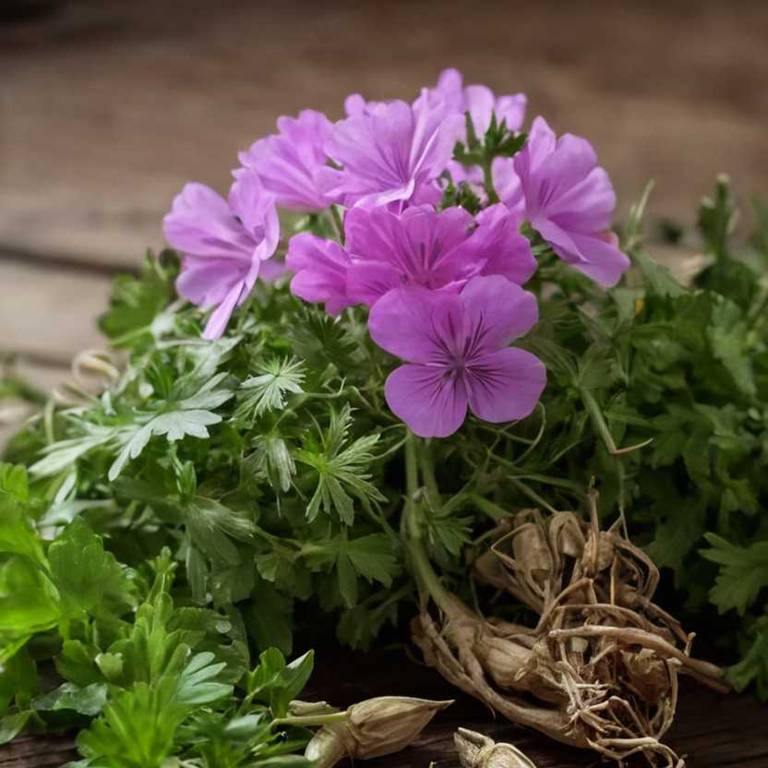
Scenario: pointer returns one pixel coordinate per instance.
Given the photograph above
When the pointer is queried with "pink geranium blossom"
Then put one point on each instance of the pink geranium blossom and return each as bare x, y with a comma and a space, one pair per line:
391, 151
224, 243
481, 102
420, 246
456, 353
290, 162
568, 199
434, 250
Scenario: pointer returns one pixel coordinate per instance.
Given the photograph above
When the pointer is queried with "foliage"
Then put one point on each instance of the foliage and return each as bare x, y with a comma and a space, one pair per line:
221, 494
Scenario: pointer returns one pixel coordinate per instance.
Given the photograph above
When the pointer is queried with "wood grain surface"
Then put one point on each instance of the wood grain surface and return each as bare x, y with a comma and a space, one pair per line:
713, 731
107, 107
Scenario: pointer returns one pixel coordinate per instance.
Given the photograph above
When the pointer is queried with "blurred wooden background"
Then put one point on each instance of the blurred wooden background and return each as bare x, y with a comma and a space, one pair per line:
108, 106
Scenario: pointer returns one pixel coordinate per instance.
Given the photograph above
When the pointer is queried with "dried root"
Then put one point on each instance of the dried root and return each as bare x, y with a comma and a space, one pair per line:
600, 668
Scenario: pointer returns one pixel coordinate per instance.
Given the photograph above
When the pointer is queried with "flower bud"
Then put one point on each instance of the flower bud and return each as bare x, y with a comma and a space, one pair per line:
478, 751
373, 728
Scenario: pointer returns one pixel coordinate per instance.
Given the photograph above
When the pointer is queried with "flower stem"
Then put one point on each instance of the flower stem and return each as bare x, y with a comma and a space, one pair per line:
338, 224
426, 578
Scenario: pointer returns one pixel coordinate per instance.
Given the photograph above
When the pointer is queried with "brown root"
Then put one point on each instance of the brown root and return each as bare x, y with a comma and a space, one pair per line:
600, 667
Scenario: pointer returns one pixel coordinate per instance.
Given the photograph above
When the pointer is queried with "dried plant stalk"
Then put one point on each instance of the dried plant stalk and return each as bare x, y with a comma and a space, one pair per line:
600, 667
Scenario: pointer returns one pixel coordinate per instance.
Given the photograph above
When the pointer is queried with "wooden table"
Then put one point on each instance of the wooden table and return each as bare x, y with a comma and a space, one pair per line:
715, 731
107, 107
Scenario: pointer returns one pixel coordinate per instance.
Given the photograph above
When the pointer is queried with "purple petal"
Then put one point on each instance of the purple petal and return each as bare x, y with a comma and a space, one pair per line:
418, 247
217, 323
431, 401
418, 325
289, 162
272, 270
368, 281
511, 109
479, 101
321, 268
602, 259
206, 282
389, 150
201, 223
569, 200
257, 213
508, 187
496, 312
506, 252
505, 385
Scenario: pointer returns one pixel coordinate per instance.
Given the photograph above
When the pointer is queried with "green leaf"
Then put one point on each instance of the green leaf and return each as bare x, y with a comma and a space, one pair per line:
197, 683
276, 683
729, 337
136, 729
190, 416
372, 557
13, 481
12, 725
28, 602
717, 215
86, 701
135, 302
658, 279
266, 391
270, 619
88, 578
743, 572
342, 469
753, 668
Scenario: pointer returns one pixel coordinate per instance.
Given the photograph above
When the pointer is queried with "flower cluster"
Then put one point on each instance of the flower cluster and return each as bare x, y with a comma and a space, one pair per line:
429, 201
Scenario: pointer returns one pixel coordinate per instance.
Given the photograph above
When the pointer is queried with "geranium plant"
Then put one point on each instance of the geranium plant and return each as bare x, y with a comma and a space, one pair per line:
397, 331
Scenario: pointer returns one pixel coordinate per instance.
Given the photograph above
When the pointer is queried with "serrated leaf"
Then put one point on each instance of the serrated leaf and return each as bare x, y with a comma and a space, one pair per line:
268, 389
743, 572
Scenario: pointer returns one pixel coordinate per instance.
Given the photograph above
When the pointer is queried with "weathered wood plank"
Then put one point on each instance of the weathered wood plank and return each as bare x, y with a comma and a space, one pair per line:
712, 730
49, 315
107, 108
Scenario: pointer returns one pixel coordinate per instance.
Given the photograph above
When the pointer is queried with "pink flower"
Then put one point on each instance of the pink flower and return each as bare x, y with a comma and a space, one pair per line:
420, 246
224, 243
289, 163
320, 268
434, 250
391, 151
568, 199
481, 102
456, 353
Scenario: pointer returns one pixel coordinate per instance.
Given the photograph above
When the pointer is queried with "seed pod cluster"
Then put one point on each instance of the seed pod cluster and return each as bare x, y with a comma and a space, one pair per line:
599, 669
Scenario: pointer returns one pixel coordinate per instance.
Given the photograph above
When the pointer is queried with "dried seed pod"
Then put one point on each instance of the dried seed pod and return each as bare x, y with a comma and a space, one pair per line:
372, 728
476, 750
326, 748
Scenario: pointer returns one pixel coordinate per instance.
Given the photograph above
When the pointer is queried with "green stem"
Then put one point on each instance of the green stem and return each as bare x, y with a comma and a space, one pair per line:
533, 496
601, 427
426, 578
490, 190
428, 473
338, 224
311, 721
488, 507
